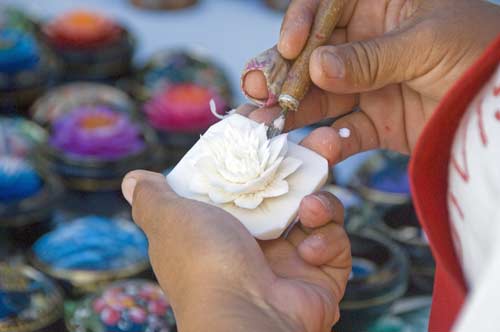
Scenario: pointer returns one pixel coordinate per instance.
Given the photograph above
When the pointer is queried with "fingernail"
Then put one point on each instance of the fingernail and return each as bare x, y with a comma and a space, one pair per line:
315, 242
324, 201
128, 187
332, 65
282, 33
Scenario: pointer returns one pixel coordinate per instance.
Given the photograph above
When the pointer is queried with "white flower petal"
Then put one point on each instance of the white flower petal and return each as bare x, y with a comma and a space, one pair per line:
261, 133
275, 189
250, 201
205, 165
277, 147
264, 155
255, 185
288, 166
219, 196
239, 164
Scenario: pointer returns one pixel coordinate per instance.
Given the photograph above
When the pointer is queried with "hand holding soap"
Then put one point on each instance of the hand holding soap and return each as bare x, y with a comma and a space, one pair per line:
259, 181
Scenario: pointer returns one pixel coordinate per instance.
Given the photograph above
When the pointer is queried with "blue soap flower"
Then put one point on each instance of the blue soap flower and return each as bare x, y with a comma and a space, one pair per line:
18, 51
93, 244
393, 179
18, 179
362, 268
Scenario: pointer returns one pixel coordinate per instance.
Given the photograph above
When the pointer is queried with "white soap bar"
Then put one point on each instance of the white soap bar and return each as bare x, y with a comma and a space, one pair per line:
272, 217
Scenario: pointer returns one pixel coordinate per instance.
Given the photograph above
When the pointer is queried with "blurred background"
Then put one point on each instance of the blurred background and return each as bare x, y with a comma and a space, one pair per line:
90, 90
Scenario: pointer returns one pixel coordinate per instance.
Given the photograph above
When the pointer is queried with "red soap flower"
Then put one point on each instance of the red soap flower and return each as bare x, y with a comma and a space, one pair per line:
110, 316
82, 29
183, 108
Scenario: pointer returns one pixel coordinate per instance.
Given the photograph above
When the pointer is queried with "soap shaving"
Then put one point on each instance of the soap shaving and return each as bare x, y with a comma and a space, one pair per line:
344, 132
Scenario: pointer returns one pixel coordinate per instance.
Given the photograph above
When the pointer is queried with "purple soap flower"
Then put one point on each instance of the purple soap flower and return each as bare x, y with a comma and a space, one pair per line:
96, 131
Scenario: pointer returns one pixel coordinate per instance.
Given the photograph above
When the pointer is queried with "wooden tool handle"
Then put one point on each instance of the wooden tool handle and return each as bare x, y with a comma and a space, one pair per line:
298, 81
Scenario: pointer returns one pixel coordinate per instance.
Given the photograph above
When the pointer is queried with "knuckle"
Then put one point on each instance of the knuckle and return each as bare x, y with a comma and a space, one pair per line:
366, 62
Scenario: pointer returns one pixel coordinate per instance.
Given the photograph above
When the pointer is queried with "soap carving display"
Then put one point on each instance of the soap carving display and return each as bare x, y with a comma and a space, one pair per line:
260, 181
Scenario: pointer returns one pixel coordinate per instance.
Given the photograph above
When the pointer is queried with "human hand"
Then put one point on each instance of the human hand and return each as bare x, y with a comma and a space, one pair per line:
219, 278
394, 59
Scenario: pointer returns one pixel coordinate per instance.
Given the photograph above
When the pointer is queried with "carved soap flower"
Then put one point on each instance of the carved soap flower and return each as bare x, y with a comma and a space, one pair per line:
241, 165
259, 181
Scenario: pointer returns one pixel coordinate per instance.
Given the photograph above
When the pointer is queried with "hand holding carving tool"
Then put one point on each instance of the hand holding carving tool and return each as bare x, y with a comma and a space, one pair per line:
298, 80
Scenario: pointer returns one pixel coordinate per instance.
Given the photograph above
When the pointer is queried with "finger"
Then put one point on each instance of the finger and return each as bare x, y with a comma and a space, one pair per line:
324, 244
246, 109
265, 115
370, 64
130, 180
324, 141
361, 136
339, 36
298, 22
164, 215
296, 27
358, 134
329, 248
150, 197
318, 209
255, 86
316, 106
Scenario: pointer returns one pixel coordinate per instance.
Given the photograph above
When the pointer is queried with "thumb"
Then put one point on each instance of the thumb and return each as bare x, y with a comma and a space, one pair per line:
367, 65
187, 238
171, 219
151, 197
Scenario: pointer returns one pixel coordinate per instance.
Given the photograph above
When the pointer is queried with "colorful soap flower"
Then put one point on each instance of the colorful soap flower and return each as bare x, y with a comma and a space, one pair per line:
18, 137
393, 178
18, 179
183, 108
93, 244
89, 46
26, 68
173, 67
29, 301
18, 51
98, 132
82, 29
133, 306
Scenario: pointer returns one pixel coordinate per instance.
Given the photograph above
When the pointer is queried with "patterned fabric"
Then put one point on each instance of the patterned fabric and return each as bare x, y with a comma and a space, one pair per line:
474, 182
